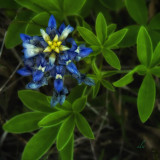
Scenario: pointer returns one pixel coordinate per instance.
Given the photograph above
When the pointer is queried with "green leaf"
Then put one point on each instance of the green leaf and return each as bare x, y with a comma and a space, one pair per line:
146, 98
79, 104
47, 5
108, 73
26, 122
115, 38
156, 71
107, 85
111, 28
71, 7
95, 68
137, 10
9, 4
96, 89
111, 58
83, 126
65, 132
16, 27
54, 118
36, 23
88, 36
155, 23
155, 36
35, 101
144, 47
112, 4
130, 37
101, 28
128, 78
40, 143
29, 4
67, 152
156, 56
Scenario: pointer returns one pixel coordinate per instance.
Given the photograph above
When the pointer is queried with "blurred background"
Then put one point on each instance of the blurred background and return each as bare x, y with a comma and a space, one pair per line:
113, 116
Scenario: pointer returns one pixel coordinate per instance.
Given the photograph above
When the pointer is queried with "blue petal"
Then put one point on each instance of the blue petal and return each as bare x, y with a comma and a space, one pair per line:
62, 62
65, 91
54, 100
88, 81
61, 28
62, 99
72, 68
52, 22
24, 72
29, 62
25, 37
58, 85
73, 43
65, 56
53, 72
37, 75
60, 70
71, 54
33, 85
84, 51
40, 61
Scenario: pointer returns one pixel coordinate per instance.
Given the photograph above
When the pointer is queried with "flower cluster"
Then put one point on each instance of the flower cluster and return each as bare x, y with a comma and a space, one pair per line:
48, 57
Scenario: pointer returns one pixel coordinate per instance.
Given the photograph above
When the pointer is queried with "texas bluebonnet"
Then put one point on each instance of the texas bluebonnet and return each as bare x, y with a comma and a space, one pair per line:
48, 57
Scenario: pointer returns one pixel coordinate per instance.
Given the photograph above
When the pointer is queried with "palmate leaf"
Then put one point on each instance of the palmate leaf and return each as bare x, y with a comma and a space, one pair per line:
40, 143
83, 126
101, 27
22, 123
146, 98
144, 47
35, 101
65, 132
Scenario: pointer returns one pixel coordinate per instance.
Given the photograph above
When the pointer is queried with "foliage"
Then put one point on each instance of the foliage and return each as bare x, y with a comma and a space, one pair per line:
102, 63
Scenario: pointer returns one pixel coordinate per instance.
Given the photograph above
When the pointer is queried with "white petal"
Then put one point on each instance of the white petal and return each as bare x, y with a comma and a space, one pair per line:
45, 35
66, 32
63, 48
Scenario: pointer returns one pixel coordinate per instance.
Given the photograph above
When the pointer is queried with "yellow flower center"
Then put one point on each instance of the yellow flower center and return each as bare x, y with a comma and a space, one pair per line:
54, 45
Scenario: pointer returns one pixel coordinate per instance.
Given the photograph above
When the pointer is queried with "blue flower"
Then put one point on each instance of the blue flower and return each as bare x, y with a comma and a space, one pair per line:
52, 56
37, 67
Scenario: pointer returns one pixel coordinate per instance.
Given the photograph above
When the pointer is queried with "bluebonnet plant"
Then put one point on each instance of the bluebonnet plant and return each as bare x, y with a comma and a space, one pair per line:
47, 56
